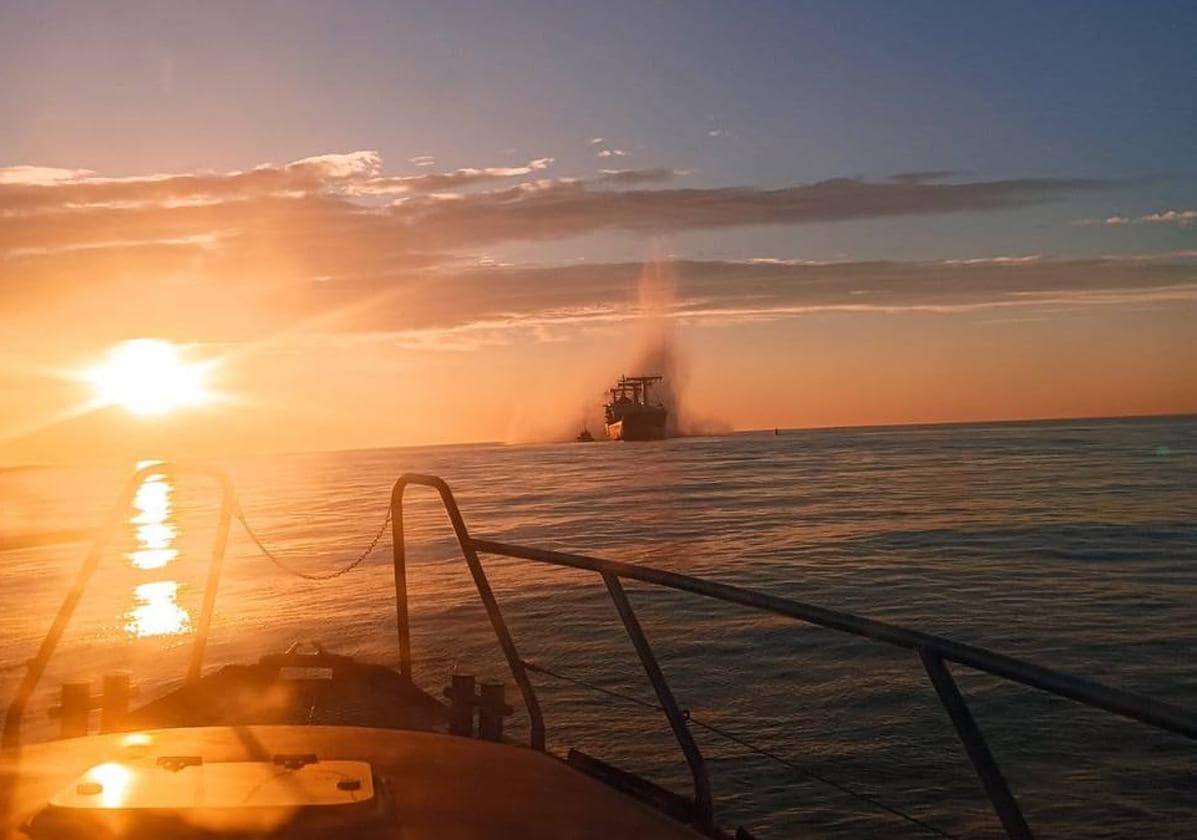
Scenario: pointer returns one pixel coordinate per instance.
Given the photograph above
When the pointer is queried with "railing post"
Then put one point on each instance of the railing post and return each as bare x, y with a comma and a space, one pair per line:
37, 665
983, 761
704, 810
536, 737
399, 553
506, 642
220, 542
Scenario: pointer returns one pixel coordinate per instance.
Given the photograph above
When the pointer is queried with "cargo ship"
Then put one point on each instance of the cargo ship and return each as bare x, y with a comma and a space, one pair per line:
632, 413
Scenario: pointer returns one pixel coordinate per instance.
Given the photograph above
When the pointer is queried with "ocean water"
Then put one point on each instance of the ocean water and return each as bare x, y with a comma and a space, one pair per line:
1072, 544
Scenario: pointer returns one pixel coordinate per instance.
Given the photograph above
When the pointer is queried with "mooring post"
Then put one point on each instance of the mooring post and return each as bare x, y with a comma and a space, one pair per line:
75, 709
461, 704
492, 708
114, 702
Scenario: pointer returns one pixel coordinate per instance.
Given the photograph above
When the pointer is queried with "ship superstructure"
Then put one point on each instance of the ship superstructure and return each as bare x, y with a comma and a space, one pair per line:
632, 412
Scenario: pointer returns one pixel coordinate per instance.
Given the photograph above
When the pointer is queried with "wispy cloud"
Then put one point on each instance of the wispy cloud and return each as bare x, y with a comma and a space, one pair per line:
923, 176
629, 177
41, 175
422, 160
323, 192
1180, 218
564, 209
438, 182
726, 293
606, 153
197, 240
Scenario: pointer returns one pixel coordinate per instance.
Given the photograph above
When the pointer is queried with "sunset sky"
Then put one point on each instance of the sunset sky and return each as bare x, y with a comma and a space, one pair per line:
397, 223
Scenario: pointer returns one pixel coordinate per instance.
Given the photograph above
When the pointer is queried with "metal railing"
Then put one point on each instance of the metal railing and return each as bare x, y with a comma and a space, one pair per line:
37, 666
935, 652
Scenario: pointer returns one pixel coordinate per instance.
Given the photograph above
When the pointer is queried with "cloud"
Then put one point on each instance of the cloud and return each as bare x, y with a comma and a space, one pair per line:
86, 190
330, 196
925, 175
519, 303
606, 153
551, 210
200, 240
630, 177
423, 160
338, 166
228, 253
437, 182
595, 141
231, 256
1180, 218
718, 132
40, 175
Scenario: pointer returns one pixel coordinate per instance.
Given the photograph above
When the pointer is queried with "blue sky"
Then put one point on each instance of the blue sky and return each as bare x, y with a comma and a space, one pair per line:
794, 92
808, 90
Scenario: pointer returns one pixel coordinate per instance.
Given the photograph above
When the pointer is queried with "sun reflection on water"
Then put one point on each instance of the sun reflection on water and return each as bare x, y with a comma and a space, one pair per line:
156, 610
154, 532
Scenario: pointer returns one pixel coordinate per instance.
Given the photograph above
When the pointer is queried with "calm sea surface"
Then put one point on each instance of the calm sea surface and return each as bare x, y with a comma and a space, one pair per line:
1072, 544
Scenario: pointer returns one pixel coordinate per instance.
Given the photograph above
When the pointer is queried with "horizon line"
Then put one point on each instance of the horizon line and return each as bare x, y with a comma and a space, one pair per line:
763, 429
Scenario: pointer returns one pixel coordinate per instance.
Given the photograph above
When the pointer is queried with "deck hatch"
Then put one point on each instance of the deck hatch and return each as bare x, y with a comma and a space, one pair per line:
220, 785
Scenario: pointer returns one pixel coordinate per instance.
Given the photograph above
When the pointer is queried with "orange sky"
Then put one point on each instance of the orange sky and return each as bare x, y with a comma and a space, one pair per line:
337, 306
315, 382
429, 223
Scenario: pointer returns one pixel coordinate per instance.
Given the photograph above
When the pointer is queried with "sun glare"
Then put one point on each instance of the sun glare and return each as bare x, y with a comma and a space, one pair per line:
147, 377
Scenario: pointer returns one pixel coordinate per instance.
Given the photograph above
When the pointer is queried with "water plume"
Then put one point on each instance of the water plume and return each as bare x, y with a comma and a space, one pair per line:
660, 352
564, 406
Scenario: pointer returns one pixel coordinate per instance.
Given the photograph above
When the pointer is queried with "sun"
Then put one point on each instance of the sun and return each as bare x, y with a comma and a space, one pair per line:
147, 377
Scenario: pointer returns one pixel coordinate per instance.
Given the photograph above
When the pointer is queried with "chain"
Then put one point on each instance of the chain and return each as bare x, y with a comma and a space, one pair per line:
276, 560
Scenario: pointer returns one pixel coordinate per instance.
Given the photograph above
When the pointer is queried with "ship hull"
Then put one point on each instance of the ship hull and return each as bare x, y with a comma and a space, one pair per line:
648, 425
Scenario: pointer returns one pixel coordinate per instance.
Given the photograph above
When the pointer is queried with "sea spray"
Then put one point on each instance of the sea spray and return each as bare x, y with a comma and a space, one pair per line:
660, 352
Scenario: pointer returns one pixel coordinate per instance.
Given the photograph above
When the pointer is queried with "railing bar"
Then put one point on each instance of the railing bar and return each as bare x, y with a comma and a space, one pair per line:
37, 666
1116, 701
219, 543
485, 594
703, 807
399, 555
1004, 803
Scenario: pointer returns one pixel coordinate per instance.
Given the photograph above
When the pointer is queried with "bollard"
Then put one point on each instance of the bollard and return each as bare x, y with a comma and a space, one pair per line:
114, 703
491, 711
461, 704
75, 708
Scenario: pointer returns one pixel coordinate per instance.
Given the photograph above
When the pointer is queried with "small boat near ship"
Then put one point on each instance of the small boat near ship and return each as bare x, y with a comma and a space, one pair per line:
313, 744
632, 413
584, 436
